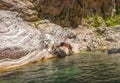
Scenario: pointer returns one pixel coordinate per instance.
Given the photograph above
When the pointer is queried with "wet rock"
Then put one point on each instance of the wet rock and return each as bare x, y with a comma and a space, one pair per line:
113, 50
59, 53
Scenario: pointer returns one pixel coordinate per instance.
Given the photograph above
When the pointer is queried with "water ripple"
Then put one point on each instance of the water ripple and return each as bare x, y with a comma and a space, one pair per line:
84, 68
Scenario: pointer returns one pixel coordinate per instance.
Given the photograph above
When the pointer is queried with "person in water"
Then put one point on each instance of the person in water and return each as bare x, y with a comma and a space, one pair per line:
64, 44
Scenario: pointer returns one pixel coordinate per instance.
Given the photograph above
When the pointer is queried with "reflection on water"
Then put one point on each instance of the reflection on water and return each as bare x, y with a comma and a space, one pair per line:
81, 68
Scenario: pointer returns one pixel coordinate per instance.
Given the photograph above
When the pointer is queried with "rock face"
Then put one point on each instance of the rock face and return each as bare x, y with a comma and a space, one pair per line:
70, 12
20, 43
63, 12
81, 38
24, 7
17, 35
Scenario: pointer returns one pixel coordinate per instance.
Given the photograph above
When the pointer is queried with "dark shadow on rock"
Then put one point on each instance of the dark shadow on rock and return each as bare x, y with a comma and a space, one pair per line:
58, 53
12, 54
113, 50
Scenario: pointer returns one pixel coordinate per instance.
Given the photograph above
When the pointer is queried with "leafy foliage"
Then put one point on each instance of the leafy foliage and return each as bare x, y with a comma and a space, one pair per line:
112, 21
96, 21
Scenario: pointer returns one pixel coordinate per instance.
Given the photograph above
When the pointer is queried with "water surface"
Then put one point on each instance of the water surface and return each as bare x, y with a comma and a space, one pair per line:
80, 68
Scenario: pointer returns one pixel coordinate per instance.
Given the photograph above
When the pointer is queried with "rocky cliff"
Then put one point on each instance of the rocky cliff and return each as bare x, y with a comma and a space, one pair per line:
21, 43
62, 12
70, 12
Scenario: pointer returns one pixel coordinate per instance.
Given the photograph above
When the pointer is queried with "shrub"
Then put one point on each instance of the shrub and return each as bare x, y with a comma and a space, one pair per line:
96, 22
112, 21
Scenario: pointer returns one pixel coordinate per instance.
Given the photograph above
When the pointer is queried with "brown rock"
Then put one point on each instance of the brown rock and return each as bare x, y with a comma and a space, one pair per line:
62, 12
71, 12
12, 54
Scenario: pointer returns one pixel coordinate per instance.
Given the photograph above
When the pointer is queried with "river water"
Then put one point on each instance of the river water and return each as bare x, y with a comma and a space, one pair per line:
81, 68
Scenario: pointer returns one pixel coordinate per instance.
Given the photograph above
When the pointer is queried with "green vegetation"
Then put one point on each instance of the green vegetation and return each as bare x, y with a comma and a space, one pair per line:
112, 21
87, 17
118, 11
96, 21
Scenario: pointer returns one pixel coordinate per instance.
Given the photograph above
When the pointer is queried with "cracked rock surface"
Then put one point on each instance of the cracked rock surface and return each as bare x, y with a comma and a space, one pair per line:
21, 43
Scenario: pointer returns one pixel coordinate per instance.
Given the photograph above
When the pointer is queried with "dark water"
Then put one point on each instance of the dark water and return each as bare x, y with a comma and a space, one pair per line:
81, 68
